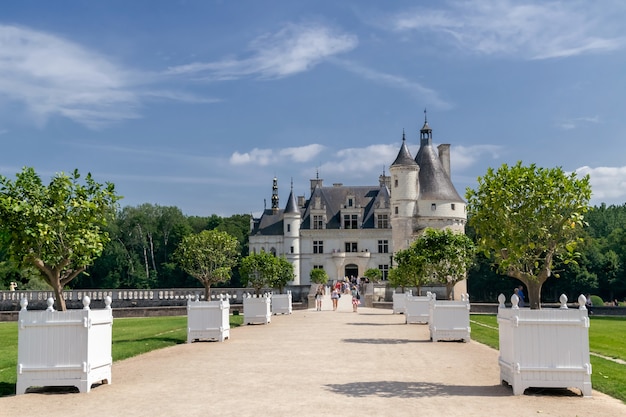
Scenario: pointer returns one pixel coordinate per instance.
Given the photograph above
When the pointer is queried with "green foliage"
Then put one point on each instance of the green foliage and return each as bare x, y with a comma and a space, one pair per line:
446, 256
527, 218
596, 301
373, 274
318, 276
284, 275
260, 270
57, 228
438, 256
143, 241
409, 270
208, 256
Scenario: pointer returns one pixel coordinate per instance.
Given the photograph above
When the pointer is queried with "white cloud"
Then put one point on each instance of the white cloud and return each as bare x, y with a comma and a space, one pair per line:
425, 94
265, 157
573, 123
303, 153
608, 184
358, 163
51, 76
463, 157
532, 30
293, 49
54, 77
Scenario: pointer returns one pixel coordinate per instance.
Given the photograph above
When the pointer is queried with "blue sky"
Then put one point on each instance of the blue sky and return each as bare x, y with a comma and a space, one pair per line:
199, 104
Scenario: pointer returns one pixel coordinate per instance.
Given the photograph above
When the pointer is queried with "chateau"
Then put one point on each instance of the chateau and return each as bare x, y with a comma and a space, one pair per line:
347, 230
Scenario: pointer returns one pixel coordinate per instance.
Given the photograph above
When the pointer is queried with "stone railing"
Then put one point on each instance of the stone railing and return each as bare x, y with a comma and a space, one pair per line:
10, 300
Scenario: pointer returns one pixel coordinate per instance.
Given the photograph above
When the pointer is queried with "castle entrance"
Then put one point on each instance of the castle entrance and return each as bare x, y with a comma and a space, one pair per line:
351, 270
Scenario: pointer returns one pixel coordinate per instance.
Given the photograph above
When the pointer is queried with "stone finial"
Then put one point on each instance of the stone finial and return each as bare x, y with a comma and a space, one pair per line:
50, 302
563, 300
501, 300
86, 302
515, 301
582, 302
107, 302
24, 303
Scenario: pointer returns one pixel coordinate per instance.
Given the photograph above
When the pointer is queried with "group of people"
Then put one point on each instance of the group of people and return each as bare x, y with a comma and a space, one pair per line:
337, 289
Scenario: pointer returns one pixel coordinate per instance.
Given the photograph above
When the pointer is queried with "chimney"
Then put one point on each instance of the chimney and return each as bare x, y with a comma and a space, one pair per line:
444, 157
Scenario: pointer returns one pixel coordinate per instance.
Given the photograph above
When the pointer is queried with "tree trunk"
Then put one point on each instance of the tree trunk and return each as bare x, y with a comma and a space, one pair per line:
534, 294
152, 252
59, 301
207, 292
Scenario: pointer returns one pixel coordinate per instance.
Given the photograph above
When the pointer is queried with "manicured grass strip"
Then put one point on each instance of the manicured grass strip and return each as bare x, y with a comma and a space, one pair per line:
606, 336
608, 377
131, 337
8, 358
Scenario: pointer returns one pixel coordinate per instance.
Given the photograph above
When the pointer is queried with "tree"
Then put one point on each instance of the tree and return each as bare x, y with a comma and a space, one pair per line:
526, 218
446, 256
260, 270
318, 276
283, 276
58, 228
207, 256
409, 270
373, 274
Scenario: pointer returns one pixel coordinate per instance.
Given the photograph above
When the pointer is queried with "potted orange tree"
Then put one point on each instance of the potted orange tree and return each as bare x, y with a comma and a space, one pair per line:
209, 257
59, 229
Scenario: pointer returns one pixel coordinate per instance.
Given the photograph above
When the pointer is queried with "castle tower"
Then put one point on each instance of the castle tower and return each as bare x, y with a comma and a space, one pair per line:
439, 204
291, 230
404, 172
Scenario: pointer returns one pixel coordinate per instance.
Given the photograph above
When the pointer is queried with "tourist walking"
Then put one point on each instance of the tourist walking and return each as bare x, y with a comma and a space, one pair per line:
334, 297
319, 295
356, 298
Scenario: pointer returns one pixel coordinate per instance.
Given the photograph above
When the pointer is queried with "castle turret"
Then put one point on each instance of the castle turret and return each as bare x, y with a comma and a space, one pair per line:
404, 190
292, 220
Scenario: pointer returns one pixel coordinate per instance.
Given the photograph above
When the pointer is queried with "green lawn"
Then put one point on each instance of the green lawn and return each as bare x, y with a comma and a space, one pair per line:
131, 337
605, 338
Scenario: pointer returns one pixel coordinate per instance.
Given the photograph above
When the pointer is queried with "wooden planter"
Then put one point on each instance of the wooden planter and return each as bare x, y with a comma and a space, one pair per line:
547, 348
208, 320
399, 302
64, 348
449, 320
281, 303
417, 309
257, 310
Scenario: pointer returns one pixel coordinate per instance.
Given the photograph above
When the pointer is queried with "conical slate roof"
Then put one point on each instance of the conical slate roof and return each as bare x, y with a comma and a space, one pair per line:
292, 205
404, 156
435, 184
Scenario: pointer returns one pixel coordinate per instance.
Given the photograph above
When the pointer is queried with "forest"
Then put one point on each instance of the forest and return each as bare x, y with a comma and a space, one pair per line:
144, 238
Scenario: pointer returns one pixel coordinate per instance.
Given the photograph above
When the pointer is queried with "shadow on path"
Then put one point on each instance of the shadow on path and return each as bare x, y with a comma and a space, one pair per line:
402, 389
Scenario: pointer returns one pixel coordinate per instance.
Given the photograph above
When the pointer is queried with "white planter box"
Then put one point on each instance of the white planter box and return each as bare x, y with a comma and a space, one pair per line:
547, 348
281, 303
399, 302
64, 348
417, 309
449, 320
208, 320
256, 310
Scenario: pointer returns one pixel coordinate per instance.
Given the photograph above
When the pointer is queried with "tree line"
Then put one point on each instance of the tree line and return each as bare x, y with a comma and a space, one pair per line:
142, 240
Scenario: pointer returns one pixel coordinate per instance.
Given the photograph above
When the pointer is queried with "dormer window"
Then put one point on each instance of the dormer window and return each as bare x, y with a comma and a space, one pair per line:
350, 202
